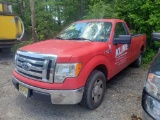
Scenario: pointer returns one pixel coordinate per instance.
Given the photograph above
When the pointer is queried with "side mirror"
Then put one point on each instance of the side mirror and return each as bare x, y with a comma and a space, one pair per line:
122, 39
156, 36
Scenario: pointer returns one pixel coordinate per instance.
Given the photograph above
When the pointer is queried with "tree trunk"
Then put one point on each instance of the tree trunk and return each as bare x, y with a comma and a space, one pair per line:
33, 20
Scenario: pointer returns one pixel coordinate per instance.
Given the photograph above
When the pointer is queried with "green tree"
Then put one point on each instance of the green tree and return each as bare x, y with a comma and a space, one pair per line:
142, 16
100, 9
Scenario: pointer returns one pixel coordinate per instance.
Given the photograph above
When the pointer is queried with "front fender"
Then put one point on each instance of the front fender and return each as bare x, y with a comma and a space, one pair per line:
92, 64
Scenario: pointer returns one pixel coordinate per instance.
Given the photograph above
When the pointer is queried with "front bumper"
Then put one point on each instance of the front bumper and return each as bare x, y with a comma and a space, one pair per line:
53, 96
7, 43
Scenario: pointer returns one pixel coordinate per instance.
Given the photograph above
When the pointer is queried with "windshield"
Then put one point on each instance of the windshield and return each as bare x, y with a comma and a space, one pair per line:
92, 31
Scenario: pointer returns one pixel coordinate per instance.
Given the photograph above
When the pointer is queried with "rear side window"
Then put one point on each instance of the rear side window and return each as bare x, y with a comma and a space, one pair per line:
120, 29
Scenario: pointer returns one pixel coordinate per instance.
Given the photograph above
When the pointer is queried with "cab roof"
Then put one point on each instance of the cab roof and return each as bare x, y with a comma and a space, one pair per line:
102, 20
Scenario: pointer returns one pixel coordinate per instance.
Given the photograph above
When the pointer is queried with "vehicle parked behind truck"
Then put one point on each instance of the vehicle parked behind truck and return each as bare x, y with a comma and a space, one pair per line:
73, 67
151, 91
11, 27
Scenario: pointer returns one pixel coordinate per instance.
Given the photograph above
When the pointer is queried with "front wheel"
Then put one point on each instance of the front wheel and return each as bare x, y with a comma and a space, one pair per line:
94, 90
137, 63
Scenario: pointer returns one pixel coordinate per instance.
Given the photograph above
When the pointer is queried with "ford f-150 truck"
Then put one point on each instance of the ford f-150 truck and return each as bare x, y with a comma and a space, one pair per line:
73, 67
151, 91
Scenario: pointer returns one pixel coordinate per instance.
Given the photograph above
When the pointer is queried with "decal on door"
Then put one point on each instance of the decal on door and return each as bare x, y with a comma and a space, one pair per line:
121, 54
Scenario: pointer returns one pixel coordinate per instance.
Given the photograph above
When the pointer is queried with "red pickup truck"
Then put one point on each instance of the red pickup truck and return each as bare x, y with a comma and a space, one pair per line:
73, 67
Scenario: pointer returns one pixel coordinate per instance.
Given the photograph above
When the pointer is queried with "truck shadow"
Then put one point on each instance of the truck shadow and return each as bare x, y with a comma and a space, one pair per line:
128, 77
7, 55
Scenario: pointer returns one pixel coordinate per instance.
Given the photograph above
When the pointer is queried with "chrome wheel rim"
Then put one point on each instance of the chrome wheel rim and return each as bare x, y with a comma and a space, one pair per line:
97, 91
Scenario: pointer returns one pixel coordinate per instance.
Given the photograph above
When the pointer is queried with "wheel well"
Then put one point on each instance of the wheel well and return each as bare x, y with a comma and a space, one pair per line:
103, 69
142, 49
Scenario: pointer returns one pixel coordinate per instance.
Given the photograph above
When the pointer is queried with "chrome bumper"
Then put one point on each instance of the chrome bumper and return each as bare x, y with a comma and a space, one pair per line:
58, 96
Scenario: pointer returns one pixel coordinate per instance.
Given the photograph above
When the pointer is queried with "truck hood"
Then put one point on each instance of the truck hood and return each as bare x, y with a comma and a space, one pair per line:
62, 48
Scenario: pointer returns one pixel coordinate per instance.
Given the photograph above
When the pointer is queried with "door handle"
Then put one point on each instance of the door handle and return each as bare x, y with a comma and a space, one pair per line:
107, 51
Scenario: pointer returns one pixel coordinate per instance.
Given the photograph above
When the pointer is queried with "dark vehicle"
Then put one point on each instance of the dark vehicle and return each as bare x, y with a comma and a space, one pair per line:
151, 92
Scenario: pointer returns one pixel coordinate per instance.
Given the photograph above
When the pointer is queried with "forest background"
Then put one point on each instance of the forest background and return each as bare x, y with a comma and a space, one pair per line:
51, 16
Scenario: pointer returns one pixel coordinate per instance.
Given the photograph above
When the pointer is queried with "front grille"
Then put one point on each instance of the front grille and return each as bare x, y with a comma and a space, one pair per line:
35, 66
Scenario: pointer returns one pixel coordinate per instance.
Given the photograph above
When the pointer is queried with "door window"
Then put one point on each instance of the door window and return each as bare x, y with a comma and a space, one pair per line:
119, 30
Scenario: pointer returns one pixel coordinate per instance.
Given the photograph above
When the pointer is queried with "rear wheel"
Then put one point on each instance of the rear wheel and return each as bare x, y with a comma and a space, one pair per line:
137, 63
94, 90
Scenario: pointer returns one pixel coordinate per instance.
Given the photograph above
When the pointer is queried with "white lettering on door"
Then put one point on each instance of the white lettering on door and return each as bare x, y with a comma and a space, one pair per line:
121, 50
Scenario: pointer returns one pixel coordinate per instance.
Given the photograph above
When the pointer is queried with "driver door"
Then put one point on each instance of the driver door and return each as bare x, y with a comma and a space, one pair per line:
121, 51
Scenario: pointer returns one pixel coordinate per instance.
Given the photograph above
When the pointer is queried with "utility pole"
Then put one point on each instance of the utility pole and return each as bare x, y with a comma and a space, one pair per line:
33, 20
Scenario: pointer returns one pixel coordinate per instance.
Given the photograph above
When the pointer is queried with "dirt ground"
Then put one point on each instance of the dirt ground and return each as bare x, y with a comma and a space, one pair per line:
122, 99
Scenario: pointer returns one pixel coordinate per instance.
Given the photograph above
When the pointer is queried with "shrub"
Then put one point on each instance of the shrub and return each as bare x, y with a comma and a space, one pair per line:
148, 56
21, 44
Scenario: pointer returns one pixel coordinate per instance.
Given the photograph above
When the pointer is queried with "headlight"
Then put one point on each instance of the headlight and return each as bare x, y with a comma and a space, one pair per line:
63, 71
152, 106
153, 85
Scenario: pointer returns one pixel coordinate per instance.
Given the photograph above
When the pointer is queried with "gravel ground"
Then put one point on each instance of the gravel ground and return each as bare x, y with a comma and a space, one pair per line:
122, 99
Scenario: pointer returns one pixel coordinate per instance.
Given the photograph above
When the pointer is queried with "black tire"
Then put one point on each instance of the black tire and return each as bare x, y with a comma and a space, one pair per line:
94, 90
137, 63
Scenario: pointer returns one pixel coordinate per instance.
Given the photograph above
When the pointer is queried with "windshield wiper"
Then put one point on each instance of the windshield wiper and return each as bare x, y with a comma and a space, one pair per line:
85, 39
59, 38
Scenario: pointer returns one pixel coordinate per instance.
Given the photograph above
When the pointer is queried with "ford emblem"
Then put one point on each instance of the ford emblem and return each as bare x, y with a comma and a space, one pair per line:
26, 66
